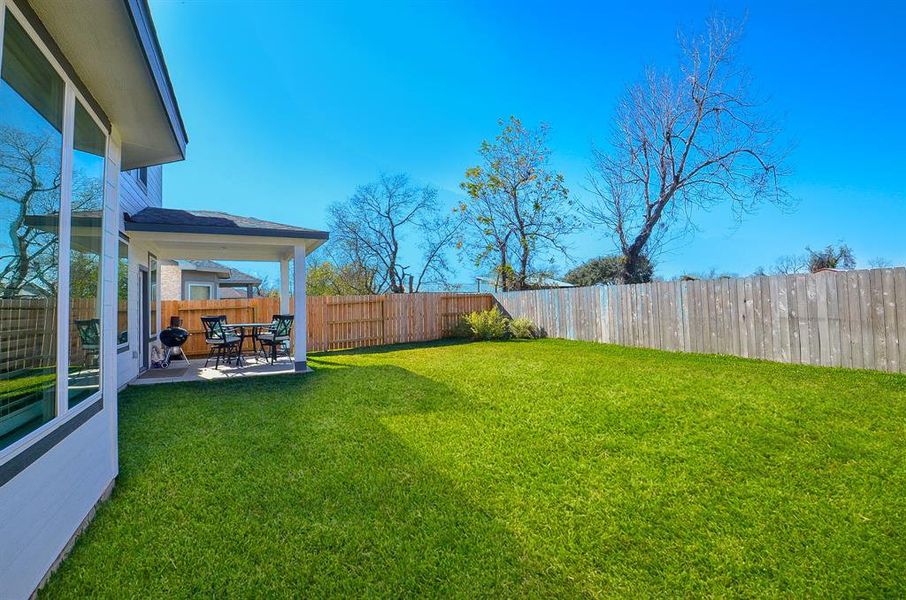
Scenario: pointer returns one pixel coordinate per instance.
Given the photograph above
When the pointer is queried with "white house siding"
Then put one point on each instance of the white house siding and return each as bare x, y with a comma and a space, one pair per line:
200, 278
128, 359
43, 506
136, 197
133, 198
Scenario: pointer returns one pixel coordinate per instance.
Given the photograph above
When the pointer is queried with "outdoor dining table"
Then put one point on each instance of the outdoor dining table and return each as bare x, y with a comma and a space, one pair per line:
240, 329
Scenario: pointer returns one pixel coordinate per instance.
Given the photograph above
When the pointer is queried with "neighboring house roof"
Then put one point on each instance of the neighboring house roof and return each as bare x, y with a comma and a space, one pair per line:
173, 220
237, 277
228, 275
226, 293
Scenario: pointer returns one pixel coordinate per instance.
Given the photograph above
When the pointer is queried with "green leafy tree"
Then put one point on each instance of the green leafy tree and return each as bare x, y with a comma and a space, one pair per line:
831, 257
609, 270
518, 209
328, 279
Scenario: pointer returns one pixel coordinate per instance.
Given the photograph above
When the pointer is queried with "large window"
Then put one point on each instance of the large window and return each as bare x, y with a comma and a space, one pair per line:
89, 149
38, 203
31, 148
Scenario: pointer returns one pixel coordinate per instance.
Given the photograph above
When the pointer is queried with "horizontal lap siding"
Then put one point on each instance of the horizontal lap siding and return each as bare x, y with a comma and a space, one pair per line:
851, 319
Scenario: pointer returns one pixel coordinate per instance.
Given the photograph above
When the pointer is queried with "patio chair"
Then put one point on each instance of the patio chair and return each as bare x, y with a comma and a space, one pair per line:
222, 341
276, 336
89, 340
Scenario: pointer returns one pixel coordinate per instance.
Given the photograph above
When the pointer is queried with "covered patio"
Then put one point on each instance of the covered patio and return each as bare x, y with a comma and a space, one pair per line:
173, 234
195, 370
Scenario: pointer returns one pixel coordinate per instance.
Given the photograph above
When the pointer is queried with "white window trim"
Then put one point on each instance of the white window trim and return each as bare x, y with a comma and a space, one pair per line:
153, 326
71, 95
190, 285
142, 185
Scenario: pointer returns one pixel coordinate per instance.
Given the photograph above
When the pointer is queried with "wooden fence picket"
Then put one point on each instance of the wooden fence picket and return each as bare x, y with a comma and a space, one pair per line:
851, 319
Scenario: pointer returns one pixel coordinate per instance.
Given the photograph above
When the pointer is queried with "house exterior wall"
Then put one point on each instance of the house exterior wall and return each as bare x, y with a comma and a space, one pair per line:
170, 281
72, 464
128, 358
52, 478
200, 278
136, 195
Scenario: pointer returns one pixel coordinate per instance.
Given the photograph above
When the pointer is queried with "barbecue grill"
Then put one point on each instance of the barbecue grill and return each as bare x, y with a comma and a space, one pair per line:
173, 337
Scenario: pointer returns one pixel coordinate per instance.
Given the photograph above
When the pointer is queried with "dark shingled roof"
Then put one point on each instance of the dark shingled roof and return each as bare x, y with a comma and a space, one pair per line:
229, 275
212, 222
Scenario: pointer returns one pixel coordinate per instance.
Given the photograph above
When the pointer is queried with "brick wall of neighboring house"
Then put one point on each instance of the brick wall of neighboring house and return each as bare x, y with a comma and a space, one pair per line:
170, 281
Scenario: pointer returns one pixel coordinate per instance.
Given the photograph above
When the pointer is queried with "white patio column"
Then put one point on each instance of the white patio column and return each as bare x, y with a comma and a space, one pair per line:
300, 330
284, 286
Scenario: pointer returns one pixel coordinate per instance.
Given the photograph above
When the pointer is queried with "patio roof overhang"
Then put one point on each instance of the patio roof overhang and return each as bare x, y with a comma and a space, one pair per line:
112, 53
206, 235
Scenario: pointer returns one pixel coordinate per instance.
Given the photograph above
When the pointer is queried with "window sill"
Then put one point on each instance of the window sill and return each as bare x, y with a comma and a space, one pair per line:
9, 454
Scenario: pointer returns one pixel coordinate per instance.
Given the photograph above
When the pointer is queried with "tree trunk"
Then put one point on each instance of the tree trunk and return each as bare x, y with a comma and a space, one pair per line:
633, 265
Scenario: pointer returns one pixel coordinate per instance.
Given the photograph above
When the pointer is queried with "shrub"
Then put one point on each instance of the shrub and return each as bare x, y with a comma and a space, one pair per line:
487, 325
523, 328
460, 330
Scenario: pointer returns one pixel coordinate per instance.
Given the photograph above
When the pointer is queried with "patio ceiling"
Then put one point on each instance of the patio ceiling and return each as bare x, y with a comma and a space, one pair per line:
206, 235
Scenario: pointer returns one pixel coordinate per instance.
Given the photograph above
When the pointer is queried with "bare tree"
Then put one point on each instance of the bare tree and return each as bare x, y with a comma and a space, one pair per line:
369, 230
518, 207
879, 262
684, 140
790, 264
30, 188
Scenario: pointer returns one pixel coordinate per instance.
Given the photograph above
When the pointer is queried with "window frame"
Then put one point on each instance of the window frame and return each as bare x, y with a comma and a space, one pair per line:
72, 95
122, 239
191, 284
153, 302
142, 181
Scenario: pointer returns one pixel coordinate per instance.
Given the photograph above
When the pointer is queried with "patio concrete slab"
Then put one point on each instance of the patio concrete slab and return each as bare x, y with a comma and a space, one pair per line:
180, 372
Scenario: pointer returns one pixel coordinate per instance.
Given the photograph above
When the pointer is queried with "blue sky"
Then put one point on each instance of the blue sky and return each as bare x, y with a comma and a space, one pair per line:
290, 105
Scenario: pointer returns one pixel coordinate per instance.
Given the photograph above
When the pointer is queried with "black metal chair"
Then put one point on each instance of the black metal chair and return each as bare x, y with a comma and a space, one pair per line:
222, 341
276, 336
90, 340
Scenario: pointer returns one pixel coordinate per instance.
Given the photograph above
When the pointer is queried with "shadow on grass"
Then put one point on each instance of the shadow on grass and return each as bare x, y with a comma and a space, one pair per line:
280, 486
393, 347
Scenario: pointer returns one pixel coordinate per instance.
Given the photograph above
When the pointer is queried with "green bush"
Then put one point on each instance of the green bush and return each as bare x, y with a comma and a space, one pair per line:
460, 330
523, 328
487, 324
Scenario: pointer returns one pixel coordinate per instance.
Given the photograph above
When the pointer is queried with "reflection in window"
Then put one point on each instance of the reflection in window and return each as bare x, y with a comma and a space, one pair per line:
31, 122
89, 147
122, 295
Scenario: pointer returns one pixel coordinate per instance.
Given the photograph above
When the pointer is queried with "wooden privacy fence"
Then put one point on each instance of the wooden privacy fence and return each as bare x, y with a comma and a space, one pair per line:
28, 331
853, 319
239, 310
339, 322
336, 322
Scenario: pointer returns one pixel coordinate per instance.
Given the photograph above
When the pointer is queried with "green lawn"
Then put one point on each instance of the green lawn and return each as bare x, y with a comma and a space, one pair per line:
544, 468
